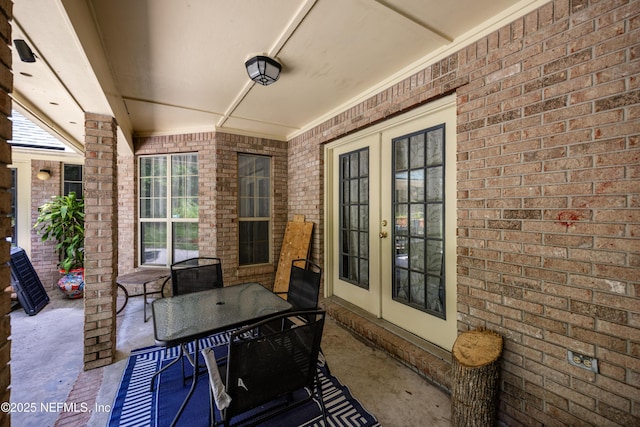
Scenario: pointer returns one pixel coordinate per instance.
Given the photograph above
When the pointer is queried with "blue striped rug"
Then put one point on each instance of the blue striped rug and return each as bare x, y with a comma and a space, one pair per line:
136, 405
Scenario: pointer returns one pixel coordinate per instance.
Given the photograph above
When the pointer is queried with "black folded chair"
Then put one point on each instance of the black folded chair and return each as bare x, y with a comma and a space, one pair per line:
304, 284
304, 290
265, 369
188, 276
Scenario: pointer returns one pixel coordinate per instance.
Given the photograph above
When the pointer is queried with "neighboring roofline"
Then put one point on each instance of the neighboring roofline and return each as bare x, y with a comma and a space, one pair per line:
29, 135
35, 146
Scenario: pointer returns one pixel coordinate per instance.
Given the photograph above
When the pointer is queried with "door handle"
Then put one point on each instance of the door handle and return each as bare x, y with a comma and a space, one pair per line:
383, 234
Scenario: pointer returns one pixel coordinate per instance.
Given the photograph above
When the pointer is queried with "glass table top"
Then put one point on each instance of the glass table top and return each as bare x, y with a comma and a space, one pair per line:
145, 275
188, 317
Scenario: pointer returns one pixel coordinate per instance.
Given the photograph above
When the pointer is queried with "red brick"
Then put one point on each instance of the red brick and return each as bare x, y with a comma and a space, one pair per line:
560, 63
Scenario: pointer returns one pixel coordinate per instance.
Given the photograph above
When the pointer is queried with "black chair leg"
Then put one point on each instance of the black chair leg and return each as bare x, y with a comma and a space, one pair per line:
321, 399
173, 362
184, 379
212, 413
323, 362
184, 353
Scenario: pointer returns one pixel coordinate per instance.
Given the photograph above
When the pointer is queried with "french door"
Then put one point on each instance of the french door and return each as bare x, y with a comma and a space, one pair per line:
390, 210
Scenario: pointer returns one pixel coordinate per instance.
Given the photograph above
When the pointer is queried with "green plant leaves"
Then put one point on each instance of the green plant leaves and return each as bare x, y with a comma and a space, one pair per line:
62, 220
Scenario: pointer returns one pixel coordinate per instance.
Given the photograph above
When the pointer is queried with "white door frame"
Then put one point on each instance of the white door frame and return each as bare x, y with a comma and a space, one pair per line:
441, 332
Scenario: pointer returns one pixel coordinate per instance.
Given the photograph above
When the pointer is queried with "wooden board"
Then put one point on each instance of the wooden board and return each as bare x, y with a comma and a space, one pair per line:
296, 244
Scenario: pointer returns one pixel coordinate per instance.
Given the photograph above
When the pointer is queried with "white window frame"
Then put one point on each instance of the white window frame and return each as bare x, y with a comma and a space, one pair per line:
168, 220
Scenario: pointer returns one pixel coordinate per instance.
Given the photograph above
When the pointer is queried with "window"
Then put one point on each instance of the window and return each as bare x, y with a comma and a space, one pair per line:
418, 200
72, 180
354, 217
254, 196
168, 208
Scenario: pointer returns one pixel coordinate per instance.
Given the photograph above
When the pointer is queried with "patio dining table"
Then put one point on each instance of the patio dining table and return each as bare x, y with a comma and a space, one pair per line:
185, 318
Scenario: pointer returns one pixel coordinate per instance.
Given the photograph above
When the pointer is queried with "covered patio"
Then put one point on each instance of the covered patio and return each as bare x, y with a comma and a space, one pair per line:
489, 151
53, 373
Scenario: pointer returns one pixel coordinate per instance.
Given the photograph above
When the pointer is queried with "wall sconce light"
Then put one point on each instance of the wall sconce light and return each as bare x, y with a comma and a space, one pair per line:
26, 55
263, 70
44, 174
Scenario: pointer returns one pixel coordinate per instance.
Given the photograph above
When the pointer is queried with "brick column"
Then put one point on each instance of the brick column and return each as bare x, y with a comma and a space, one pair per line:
101, 240
6, 85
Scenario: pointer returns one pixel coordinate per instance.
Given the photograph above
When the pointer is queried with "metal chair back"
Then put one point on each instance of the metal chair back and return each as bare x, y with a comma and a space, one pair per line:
261, 368
196, 274
304, 284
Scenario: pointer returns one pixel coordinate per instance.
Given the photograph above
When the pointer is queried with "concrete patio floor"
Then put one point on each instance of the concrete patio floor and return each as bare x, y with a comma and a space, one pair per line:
46, 369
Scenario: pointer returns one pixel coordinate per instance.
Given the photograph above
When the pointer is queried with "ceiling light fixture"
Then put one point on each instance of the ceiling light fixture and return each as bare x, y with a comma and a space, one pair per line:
26, 55
43, 174
263, 70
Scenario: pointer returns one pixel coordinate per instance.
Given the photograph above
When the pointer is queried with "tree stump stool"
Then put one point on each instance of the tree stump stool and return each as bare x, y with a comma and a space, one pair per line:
475, 371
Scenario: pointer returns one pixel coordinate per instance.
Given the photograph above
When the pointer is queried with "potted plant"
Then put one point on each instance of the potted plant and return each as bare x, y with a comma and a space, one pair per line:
62, 220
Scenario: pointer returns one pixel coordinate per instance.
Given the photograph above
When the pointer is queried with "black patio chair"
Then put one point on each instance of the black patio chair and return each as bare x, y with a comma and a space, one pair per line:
263, 370
304, 284
188, 276
196, 274
304, 291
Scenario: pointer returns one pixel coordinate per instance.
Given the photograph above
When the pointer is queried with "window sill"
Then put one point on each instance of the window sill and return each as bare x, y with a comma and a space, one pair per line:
252, 270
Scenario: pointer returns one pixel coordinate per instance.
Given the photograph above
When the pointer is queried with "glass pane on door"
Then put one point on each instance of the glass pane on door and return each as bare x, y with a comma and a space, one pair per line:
354, 217
418, 232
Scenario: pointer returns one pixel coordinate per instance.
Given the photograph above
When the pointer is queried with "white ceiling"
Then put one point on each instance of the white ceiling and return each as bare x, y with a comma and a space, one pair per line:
176, 66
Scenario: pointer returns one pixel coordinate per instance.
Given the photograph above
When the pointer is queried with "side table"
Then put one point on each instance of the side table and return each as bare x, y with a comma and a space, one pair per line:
142, 277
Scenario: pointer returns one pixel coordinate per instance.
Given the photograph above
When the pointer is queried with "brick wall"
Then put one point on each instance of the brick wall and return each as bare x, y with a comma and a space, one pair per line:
127, 220
6, 86
227, 147
100, 244
306, 172
218, 166
44, 256
548, 217
548, 202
